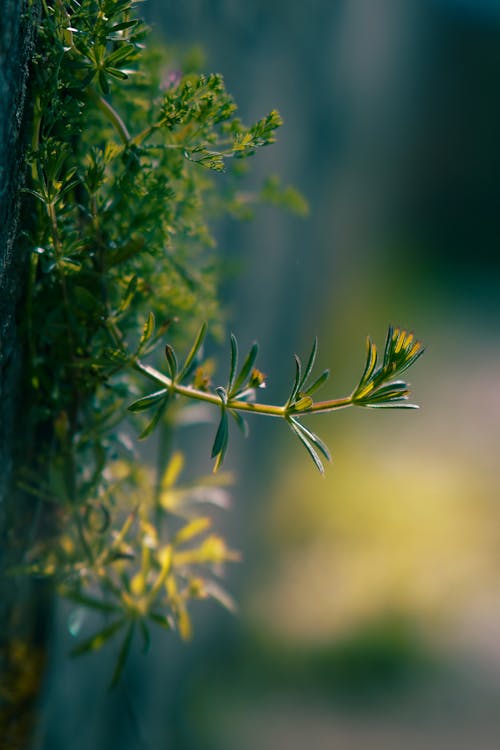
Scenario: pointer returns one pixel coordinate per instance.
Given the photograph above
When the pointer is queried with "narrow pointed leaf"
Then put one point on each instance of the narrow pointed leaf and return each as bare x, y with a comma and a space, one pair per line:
120, 55
35, 193
313, 438
215, 590
155, 420
411, 360
396, 404
371, 361
162, 620
122, 656
98, 639
146, 638
221, 437
308, 446
147, 401
310, 364
88, 601
316, 459
198, 342
147, 331
388, 346
245, 369
305, 402
318, 383
171, 361
296, 382
396, 389
240, 421
222, 393
125, 25
234, 364
129, 295
193, 528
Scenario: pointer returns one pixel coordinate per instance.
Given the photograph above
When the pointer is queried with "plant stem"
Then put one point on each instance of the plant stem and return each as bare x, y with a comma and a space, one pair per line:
256, 408
112, 116
330, 405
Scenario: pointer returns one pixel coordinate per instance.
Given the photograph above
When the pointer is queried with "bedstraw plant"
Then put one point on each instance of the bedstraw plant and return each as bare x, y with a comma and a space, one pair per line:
132, 152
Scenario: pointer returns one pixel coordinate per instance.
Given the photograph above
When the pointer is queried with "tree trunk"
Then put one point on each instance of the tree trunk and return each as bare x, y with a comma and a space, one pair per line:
21, 638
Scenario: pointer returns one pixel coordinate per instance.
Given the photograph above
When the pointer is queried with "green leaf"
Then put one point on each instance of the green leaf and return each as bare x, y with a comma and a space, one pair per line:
215, 591
388, 347
125, 25
313, 438
371, 361
233, 365
221, 439
296, 382
222, 393
147, 331
193, 529
396, 404
318, 383
103, 82
69, 186
36, 194
146, 638
86, 301
240, 421
303, 403
245, 369
147, 401
96, 641
88, 601
396, 389
200, 337
120, 55
122, 656
171, 361
309, 365
115, 355
283, 196
117, 73
69, 264
128, 296
297, 429
163, 620
130, 249
156, 419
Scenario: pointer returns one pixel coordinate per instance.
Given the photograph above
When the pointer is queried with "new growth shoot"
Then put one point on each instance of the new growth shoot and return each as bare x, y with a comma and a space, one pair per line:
379, 388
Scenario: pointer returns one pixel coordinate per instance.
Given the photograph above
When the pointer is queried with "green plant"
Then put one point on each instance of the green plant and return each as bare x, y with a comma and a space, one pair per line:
125, 156
376, 389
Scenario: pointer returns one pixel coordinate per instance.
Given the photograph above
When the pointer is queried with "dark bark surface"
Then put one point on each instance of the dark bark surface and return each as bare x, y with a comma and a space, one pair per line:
21, 653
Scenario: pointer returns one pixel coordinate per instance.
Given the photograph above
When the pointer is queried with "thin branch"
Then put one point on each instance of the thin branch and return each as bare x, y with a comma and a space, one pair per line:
255, 407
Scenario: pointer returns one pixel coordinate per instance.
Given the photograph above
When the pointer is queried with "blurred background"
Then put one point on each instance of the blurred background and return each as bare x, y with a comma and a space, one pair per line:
369, 600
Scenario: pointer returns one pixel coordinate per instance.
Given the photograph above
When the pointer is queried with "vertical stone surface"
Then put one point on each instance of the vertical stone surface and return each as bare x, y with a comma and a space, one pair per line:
20, 652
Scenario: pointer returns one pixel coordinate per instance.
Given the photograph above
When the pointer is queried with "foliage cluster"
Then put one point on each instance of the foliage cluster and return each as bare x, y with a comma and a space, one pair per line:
125, 157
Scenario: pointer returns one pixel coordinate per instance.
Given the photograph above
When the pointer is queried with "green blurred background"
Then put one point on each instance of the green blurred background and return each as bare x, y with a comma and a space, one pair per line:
369, 600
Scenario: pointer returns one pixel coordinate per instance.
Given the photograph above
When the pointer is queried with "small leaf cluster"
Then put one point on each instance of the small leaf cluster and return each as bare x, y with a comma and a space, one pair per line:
145, 565
241, 386
375, 389
300, 400
160, 399
201, 112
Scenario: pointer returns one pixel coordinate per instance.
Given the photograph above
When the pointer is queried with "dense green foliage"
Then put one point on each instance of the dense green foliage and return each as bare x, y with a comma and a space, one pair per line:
126, 157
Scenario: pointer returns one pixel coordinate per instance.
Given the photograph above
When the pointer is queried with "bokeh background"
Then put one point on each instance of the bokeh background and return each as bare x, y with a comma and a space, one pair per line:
369, 600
